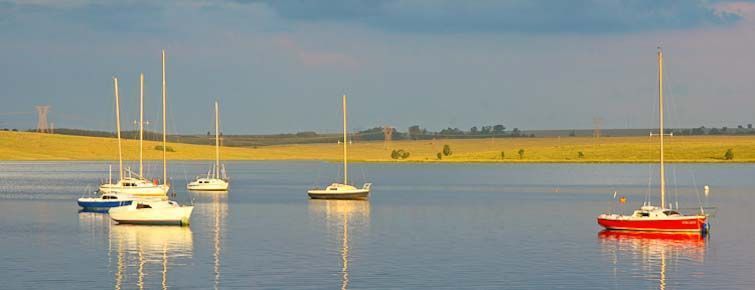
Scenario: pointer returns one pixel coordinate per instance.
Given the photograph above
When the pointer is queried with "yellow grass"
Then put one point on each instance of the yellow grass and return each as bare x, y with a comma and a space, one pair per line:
34, 146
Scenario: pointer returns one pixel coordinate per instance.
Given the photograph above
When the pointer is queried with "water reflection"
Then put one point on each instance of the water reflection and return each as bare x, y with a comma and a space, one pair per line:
650, 255
216, 211
144, 251
339, 216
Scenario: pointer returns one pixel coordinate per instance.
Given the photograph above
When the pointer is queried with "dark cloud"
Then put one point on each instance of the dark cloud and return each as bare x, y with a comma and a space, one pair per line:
522, 16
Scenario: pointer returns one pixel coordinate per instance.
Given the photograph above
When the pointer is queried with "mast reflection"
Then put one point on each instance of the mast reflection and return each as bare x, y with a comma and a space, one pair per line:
147, 249
216, 211
655, 251
339, 215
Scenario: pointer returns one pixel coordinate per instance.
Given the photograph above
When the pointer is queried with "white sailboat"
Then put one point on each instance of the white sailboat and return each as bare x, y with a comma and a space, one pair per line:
342, 190
152, 212
136, 184
216, 179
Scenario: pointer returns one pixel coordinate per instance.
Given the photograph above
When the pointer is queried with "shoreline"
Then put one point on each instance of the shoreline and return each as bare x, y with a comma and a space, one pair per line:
25, 146
429, 162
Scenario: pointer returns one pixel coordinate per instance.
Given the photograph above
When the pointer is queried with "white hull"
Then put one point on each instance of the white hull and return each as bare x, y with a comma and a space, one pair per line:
341, 191
160, 213
208, 184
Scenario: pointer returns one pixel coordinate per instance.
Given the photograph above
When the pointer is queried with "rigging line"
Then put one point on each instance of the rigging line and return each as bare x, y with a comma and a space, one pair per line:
676, 186
697, 193
650, 173
364, 175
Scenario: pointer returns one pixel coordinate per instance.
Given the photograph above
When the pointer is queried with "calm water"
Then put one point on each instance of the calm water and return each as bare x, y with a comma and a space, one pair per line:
425, 226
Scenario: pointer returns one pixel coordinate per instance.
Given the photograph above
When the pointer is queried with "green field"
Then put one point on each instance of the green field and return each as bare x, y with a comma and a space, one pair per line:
36, 146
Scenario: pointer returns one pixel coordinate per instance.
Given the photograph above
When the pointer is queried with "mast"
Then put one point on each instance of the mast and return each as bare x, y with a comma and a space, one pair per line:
660, 110
165, 162
118, 128
217, 142
141, 124
345, 146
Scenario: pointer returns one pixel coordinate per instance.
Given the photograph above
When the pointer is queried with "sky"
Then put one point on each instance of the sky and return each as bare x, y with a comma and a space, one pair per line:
282, 66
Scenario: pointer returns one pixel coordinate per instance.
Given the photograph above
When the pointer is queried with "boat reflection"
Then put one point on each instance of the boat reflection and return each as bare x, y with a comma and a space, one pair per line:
339, 216
215, 210
140, 250
654, 252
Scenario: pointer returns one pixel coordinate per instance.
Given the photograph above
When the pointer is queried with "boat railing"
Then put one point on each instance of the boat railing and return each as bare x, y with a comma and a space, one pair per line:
706, 211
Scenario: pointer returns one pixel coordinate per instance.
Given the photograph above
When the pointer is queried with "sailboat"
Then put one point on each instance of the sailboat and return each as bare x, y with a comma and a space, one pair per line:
657, 218
136, 184
152, 212
342, 190
216, 180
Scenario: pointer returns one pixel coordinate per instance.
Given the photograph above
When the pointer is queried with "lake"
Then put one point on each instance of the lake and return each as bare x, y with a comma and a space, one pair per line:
435, 226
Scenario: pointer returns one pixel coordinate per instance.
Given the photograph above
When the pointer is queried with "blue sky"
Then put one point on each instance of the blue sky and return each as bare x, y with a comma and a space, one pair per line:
281, 66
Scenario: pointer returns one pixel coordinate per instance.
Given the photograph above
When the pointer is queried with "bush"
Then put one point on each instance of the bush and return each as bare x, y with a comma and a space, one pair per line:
521, 153
503, 155
580, 154
440, 156
447, 150
729, 155
399, 154
167, 148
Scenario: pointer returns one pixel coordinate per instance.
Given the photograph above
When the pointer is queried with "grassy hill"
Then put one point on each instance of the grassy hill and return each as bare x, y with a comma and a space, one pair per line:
36, 146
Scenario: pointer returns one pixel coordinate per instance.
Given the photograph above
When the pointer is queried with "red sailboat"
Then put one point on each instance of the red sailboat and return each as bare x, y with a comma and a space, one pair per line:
656, 218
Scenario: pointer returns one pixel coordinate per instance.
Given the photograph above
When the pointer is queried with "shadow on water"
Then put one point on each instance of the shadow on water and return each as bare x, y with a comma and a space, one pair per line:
339, 216
652, 256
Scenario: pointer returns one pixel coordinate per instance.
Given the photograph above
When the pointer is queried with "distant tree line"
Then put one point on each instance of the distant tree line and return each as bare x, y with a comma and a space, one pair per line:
739, 130
417, 133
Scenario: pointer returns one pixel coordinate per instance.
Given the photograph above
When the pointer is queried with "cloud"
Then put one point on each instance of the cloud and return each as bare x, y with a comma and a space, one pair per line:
518, 16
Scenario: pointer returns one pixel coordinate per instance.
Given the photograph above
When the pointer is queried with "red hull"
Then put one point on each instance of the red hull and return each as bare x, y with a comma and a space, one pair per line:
691, 224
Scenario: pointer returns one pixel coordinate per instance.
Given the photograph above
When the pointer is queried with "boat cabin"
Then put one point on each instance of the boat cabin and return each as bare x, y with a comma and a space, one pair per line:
654, 212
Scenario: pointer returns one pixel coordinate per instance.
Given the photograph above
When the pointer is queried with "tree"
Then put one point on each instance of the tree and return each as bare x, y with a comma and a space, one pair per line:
503, 155
447, 150
394, 154
573, 133
440, 156
498, 129
580, 154
451, 131
473, 130
516, 132
486, 130
729, 155
521, 153
414, 132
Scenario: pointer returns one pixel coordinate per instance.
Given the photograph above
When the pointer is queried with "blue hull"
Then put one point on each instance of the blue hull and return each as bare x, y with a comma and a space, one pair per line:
103, 204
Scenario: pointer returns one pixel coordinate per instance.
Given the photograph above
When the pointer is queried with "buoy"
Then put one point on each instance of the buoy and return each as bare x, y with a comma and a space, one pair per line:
706, 189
